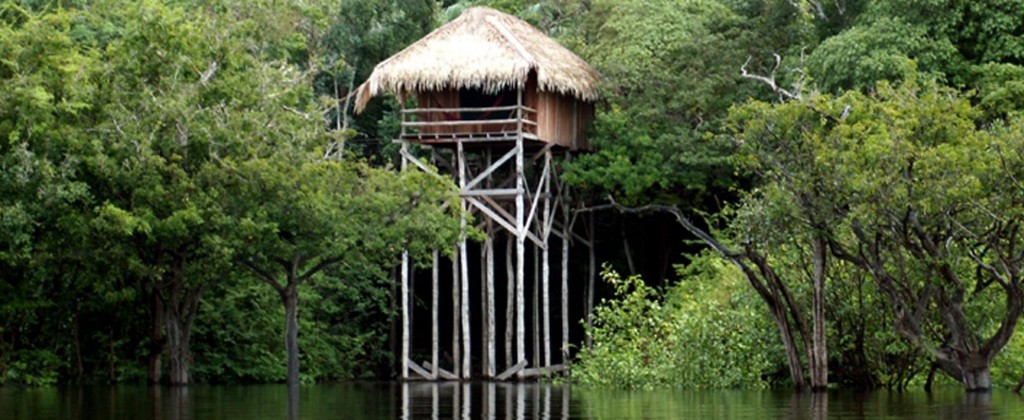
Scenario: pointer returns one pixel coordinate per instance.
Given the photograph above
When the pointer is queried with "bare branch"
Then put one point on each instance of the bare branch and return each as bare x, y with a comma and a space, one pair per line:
770, 79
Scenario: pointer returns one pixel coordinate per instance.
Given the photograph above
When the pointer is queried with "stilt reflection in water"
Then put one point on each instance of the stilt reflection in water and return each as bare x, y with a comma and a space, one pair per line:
293, 402
483, 399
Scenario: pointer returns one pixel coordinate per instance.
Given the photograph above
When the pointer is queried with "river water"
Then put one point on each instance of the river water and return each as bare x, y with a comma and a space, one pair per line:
488, 400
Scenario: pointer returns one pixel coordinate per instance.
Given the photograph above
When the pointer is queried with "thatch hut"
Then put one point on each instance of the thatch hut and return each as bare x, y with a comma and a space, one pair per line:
488, 76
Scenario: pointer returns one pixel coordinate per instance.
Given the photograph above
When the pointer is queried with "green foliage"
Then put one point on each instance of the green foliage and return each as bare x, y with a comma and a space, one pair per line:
885, 49
652, 140
32, 368
126, 129
885, 177
706, 331
238, 335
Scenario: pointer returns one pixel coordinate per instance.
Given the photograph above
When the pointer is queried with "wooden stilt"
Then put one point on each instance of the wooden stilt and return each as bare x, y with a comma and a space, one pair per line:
484, 325
591, 276
464, 271
510, 308
488, 298
520, 234
489, 301
563, 198
456, 311
434, 333
545, 269
404, 301
535, 308
405, 315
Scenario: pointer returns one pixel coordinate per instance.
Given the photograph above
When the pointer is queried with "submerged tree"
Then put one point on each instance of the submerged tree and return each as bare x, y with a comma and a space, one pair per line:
921, 199
296, 218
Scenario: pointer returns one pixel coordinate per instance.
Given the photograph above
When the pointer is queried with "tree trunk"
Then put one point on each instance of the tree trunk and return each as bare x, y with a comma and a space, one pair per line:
931, 378
290, 298
157, 342
972, 369
111, 360
819, 352
79, 367
978, 379
789, 344
178, 355
179, 306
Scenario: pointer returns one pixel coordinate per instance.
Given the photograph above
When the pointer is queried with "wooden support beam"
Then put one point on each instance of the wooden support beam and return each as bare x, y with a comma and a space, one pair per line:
492, 214
543, 371
419, 370
497, 192
442, 373
534, 200
490, 169
517, 368
461, 122
573, 236
408, 157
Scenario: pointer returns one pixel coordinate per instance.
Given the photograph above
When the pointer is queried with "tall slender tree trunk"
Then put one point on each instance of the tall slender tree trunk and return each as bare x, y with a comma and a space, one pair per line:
290, 298
79, 367
796, 371
819, 351
111, 359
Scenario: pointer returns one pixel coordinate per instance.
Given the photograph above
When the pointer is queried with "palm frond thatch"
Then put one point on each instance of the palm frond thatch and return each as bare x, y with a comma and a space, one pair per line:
483, 49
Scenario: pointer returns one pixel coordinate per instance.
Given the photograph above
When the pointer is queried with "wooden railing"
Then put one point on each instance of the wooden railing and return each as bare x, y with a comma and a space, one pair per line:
469, 122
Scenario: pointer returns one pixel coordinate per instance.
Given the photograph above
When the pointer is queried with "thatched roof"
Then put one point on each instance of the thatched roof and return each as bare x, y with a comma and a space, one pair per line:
485, 49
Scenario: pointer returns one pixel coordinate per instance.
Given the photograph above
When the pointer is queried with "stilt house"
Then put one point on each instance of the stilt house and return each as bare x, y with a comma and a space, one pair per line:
498, 105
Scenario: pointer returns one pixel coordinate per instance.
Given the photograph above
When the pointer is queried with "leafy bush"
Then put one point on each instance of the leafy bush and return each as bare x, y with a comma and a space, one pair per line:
706, 331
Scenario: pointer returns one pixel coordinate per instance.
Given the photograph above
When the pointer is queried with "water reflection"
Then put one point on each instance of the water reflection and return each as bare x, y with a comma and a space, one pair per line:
484, 400
454, 400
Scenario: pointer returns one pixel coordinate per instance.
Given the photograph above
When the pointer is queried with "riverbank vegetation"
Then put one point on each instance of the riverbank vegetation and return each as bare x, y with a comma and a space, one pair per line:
835, 189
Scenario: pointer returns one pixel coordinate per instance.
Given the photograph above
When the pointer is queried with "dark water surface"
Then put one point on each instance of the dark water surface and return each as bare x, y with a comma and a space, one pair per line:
488, 400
